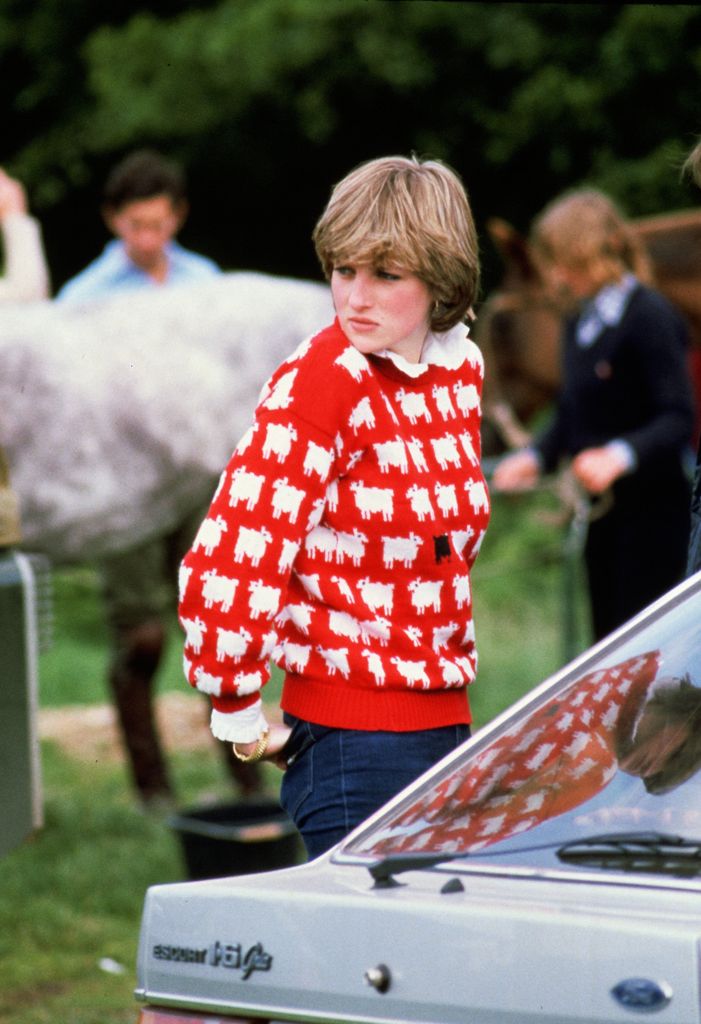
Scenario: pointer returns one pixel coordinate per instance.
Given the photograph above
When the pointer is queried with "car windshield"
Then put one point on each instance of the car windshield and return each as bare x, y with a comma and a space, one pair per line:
610, 745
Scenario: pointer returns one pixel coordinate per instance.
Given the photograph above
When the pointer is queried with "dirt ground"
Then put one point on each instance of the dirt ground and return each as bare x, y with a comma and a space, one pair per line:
89, 732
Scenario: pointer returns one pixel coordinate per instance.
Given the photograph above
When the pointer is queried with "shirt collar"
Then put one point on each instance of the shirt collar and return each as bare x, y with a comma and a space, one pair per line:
447, 349
116, 253
606, 309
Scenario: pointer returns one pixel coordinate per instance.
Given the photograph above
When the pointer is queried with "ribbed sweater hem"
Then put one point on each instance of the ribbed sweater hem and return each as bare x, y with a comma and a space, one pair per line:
344, 707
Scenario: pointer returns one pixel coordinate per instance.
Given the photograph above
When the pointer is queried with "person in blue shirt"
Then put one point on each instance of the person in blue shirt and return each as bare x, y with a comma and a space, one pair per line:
145, 206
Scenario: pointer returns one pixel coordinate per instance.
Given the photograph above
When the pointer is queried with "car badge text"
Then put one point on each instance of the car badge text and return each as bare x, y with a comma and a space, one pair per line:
231, 955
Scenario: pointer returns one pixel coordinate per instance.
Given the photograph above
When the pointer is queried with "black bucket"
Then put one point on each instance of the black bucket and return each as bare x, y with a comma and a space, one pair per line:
236, 839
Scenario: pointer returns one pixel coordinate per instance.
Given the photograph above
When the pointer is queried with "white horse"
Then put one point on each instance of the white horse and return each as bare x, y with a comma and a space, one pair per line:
118, 416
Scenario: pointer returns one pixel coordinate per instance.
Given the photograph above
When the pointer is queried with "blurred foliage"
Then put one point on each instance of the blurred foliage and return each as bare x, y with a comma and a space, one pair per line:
268, 102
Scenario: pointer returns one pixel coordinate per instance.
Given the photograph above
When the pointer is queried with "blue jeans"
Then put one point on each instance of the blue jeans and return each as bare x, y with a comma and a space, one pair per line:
336, 778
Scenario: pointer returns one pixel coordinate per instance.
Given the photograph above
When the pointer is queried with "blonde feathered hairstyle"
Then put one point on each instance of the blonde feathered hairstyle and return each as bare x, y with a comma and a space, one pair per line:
585, 230
412, 213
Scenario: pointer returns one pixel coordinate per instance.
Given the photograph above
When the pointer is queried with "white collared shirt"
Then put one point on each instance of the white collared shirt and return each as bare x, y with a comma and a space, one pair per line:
448, 349
606, 309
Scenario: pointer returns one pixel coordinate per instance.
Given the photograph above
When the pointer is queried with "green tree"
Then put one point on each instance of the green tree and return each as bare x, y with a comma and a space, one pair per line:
269, 101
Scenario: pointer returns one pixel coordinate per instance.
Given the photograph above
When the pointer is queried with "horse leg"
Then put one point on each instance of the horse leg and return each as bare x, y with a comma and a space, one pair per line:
136, 597
136, 656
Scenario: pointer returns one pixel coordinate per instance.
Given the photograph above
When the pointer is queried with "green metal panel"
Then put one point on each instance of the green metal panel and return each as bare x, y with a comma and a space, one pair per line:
20, 774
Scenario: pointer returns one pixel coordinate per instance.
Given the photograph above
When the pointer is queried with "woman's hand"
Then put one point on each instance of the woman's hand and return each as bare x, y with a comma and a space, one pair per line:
12, 196
597, 468
517, 472
279, 735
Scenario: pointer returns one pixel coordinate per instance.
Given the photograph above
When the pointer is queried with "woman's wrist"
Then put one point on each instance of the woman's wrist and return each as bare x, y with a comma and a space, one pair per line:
251, 752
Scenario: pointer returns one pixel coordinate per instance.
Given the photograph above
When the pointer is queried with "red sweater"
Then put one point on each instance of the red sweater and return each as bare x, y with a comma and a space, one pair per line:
340, 539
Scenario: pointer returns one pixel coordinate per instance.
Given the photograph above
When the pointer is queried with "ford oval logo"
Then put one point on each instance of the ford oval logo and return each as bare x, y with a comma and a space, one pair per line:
642, 995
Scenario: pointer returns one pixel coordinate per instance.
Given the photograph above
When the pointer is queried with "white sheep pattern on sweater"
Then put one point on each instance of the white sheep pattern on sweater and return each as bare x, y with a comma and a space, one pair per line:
341, 536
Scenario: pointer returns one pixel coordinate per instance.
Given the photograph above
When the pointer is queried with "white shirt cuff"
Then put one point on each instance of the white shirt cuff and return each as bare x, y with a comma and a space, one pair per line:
625, 452
244, 726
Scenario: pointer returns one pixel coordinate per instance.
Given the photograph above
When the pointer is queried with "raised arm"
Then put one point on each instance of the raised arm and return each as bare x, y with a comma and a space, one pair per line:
26, 277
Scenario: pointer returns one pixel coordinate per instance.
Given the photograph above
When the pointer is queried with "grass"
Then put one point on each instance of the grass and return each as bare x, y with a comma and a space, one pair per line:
71, 898
75, 892
530, 607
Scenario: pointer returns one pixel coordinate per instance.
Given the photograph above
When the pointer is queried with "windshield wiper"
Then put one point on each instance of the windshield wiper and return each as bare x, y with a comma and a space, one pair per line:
655, 852
384, 870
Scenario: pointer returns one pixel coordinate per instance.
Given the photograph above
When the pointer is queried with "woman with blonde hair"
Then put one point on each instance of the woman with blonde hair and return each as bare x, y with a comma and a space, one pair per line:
624, 416
341, 537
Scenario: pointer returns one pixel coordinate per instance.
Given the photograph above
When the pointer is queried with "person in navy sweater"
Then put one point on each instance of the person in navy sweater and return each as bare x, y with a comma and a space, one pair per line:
624, 416
693, 167
341, 537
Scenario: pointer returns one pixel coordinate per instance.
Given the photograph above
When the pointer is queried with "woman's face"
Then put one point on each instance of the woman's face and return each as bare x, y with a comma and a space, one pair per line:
575, 282
382, 308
